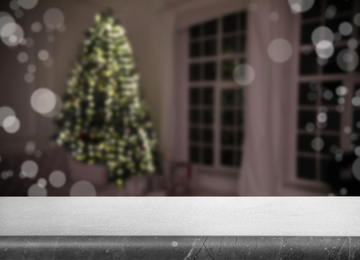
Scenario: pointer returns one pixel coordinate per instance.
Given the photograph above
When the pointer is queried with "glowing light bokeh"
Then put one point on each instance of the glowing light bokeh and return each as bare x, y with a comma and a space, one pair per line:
28, 4
299, 6
280, 50
82, 188
36, 190
57, 179
43, 101
11, 124
244, 74
30, 169
54, 18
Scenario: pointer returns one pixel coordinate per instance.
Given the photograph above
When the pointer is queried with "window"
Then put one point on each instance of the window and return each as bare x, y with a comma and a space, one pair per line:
216, 133
325, 89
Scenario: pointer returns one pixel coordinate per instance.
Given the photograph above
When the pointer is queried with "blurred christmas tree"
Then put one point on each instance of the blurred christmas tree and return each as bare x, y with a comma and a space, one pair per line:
103, 120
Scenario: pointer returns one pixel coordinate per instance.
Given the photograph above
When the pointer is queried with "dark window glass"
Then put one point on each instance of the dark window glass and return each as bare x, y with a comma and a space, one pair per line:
227, 157
356, 125
243, 19
210, 28
210, 47
240, 97
333, 120
228, 97
208, 116
194, 134
229, 45
329, 143
308, 63
208, 155
334, 24
306, 168
208, 96
240, 138
210, 71
304, 143
230, 23
194, 153
195, 50
207, 136
308, 93
228, 67
194, 116
329, 96
227, 137
242, 43
227, 118
240, 117
306, 117
306, 32
194, 96
342, 5
195, 72
332, 67
327, 169
314, 11
195, 32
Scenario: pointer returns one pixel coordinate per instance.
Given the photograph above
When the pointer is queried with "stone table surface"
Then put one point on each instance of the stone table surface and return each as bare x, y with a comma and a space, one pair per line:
180, 228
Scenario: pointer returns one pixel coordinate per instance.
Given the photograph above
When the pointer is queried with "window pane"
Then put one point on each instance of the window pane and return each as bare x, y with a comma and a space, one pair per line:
227, 157
194, 134
242, 43
240, 117
308, 93
329, 96
229, 45
356, 119
194, 96
328, 170
208, 96
333, 121
314, 11
227, 118
240, 97
227, 137
306, 32
334, 24
207, 136
243, 18
210, 71
305, 143
195, 72
194, 116
208, 116
210, 47
210, 28
194, 153
208, 155
230, 23
330, 143
228, 67
195, 50
306, 168
240, 138
341, 6
307, 120
332, 67
228, 97
308, 63
195, 32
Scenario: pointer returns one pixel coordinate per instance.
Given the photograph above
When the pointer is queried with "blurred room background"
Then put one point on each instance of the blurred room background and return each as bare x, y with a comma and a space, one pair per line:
234, 97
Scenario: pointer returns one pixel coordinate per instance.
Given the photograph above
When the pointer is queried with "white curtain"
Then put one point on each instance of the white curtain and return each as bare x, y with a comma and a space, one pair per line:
262, 167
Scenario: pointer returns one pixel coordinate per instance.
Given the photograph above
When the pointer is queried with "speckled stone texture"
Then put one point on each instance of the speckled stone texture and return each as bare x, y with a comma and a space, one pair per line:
162, 247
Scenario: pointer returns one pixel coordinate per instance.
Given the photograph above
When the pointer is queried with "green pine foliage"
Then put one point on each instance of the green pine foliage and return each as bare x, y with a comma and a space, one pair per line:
103, 120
